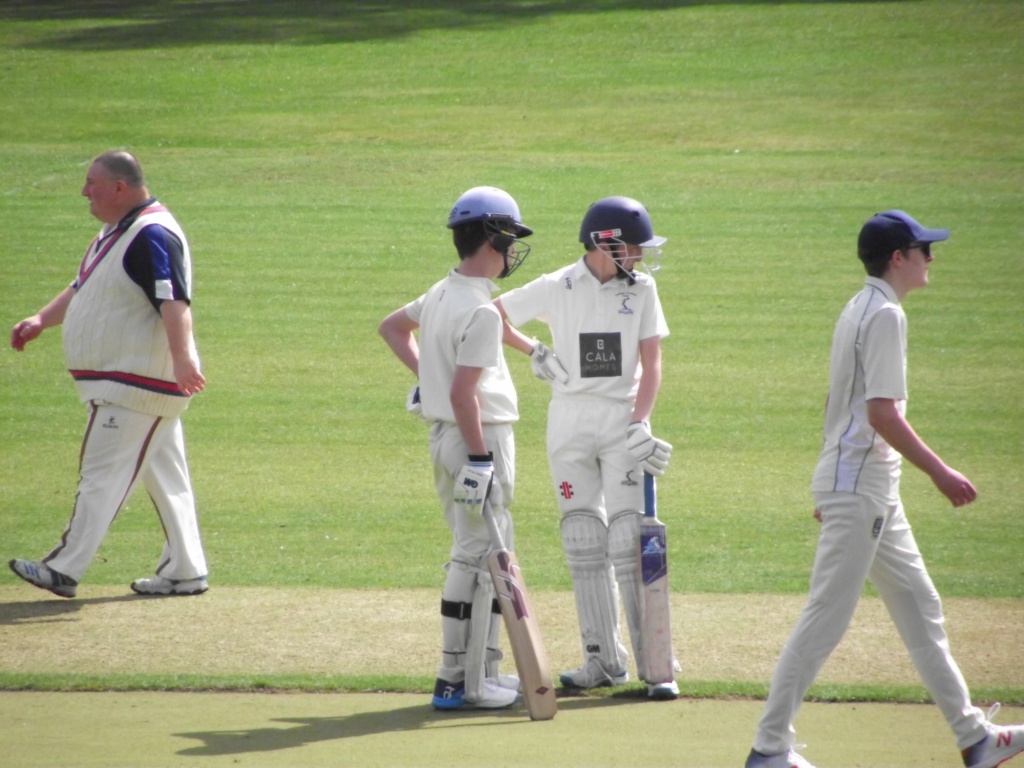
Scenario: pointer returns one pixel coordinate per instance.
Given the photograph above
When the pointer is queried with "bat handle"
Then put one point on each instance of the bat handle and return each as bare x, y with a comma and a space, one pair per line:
650, 496
492, 526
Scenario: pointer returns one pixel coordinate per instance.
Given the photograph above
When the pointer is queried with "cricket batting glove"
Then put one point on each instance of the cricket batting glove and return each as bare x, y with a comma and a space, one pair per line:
650, 452
413, 404
545, 365
473, 482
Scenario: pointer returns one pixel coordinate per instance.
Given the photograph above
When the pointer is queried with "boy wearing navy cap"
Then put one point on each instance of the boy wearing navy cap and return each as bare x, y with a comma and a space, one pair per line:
864, 532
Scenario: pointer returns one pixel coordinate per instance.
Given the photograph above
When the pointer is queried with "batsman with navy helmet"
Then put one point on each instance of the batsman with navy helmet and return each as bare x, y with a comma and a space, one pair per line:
606, 327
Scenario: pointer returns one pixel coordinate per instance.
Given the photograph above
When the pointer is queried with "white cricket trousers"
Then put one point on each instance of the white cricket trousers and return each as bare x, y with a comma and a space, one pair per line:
471, 538
863, 538
591, 468
122, 448
599, 489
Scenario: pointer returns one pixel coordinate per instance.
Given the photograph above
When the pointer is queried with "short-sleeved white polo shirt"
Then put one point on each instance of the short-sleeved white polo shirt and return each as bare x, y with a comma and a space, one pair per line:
595, 328
460, 326
869, 360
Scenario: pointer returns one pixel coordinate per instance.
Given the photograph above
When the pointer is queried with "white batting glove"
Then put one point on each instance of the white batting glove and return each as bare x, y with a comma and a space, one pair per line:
473, 482
650, 452
546, 366
412, 403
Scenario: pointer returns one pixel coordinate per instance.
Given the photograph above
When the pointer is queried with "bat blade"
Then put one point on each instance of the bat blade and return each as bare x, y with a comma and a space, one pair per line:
655, 617
523, 635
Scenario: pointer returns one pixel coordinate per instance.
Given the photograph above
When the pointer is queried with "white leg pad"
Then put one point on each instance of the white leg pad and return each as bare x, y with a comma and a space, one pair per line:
585, 541
481, 625
623, 541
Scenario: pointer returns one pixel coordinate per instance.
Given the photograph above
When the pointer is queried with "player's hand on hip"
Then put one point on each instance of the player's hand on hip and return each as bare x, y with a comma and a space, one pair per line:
650, 453
473, 482
413, 404
545, 366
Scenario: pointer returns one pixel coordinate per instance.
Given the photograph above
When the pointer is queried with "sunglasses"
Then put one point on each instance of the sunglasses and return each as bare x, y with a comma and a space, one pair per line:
925, 248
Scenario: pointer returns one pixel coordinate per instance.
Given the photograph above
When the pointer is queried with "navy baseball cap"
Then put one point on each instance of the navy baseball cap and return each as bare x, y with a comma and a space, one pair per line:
892, 230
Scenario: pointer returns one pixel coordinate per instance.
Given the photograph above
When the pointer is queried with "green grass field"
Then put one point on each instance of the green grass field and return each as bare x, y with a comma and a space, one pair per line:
311, 151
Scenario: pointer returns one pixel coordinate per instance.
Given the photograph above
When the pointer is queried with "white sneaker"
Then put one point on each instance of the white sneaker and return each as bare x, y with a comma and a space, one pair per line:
448, 695
511, 682
43, 576
788, 759
1000, 744
663, 691
493, 696
158, 585
593, 675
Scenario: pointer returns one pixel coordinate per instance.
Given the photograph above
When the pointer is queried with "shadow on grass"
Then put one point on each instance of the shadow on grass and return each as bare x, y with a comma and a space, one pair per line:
313, 730
126, 24
57, 609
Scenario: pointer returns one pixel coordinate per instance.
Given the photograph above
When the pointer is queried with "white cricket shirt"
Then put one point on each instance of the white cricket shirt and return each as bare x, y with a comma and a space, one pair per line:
460, 326
869, 360
595, 328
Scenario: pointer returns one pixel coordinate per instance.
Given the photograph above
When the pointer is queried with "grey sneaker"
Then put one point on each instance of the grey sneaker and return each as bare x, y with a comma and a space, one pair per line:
43, 576
663, 691
1000, 744
788, 759
593, 675
158, 585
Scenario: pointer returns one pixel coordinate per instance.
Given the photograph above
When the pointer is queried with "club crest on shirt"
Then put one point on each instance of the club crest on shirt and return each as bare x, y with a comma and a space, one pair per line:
625, 309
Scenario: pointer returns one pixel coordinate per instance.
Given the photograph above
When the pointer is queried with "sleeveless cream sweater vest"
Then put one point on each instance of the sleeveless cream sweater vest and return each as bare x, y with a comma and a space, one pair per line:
115, 344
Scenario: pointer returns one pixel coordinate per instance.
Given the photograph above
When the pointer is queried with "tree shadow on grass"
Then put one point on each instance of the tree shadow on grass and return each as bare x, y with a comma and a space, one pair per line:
109, 25
320, 729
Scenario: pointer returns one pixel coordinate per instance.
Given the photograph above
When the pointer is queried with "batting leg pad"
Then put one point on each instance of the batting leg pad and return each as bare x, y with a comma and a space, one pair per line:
585, 541
623, 538
456, 610
494, 655
482, 627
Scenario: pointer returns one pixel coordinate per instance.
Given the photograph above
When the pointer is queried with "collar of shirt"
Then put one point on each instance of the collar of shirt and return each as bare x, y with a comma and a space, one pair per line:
884, 287
477, 283
128, 218
581, 271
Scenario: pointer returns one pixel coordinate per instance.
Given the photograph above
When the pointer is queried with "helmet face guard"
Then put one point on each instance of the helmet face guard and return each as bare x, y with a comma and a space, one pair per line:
503, 235
618, 251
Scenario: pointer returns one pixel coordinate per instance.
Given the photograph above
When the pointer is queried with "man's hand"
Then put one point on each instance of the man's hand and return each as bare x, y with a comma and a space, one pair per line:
25, 331
651, 453
188, 376
954, 486
473, 482
546, 366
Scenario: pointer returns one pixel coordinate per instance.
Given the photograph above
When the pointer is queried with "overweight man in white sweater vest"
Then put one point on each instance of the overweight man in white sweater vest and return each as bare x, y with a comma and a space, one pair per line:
127, 335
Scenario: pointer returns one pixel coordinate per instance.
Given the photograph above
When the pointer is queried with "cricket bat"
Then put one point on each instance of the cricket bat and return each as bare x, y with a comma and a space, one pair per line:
521, 627
655, 626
